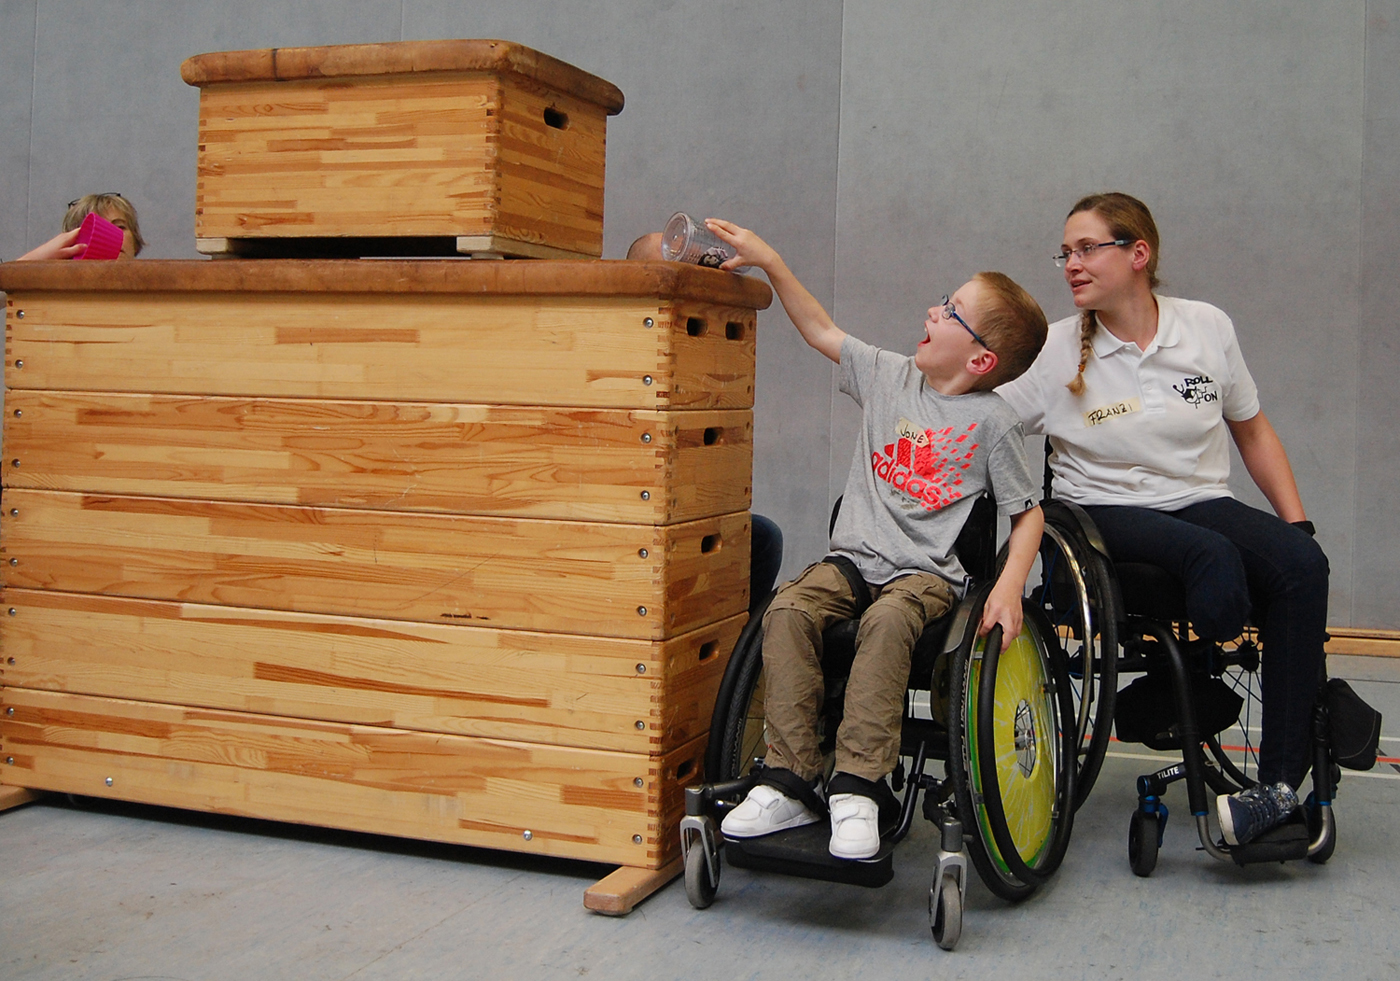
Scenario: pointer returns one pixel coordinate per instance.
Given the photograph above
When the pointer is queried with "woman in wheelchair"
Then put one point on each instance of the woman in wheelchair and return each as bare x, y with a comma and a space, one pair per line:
1140, 395
933, 438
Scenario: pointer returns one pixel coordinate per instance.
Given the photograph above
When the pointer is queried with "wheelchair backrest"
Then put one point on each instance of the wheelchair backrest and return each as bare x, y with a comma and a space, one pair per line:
976, 545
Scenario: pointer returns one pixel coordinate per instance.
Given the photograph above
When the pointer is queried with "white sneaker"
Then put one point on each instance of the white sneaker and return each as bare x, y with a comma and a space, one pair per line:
855, 826
764, 811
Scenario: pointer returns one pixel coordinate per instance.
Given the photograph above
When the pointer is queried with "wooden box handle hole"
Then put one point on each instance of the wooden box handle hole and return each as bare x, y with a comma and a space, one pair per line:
713, 434
555, 119
707, 649
734, 331
709, 543
695, 327
685, 769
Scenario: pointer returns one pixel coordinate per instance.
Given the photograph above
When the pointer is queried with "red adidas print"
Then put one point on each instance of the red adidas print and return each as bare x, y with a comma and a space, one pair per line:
927, 467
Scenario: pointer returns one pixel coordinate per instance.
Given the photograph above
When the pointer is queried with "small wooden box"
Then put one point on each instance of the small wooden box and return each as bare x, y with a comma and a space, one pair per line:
414, 147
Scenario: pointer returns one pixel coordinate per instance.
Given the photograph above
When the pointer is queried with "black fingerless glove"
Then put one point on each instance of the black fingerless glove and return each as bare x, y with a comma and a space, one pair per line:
1307, 526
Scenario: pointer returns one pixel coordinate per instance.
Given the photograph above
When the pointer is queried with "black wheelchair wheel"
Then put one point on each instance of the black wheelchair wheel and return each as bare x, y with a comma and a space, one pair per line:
736, 728
1142, 843
1011, 742
734, 735
1236, 749
1072, 586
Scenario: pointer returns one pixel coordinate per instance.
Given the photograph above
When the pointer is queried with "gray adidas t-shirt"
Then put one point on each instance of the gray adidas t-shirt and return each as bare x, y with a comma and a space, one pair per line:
921, 461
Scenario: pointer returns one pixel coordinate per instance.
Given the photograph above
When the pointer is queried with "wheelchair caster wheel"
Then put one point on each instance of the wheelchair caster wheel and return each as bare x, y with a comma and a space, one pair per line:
1143, 843
945, 913
700, 888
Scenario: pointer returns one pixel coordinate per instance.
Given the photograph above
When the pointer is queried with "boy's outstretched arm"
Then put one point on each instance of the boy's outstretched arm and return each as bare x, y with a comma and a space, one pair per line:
802, 308
1004, 602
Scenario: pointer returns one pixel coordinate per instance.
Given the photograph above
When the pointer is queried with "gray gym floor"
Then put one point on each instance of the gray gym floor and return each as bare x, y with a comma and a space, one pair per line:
126, 892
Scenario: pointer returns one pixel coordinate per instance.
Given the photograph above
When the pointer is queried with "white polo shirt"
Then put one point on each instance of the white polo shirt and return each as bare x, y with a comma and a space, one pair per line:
1149, 429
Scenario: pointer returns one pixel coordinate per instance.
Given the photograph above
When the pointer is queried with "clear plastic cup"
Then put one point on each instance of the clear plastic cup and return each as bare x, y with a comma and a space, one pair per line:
687, 240
102, 238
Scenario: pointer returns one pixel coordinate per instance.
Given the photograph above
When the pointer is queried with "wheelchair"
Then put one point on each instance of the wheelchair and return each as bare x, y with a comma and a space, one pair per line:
1006, 739
1191, 695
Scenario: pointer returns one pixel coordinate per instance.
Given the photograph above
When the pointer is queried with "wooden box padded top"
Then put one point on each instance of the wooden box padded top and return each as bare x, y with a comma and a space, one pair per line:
475, 277
398, 58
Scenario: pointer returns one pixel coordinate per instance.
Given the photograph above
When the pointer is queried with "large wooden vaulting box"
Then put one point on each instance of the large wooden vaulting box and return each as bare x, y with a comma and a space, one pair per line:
447, 549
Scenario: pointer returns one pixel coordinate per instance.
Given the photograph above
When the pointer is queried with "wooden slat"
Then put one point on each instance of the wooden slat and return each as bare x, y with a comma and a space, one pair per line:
15, 796
618, 893
575, 803
544, 462
586, 351
571, 577
1358, 640
560, 689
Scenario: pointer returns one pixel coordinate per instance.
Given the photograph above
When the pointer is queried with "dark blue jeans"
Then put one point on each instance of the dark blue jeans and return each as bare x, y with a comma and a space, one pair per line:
1238, 563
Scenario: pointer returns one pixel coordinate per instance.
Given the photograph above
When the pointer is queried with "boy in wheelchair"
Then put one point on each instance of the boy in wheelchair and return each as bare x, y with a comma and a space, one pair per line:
933, 438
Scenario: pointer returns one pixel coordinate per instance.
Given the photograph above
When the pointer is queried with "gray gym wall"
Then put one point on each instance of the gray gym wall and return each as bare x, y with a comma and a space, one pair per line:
889, 149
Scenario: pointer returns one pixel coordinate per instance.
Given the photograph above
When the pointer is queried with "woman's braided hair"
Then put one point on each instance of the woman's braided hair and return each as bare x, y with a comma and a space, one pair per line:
1128, 218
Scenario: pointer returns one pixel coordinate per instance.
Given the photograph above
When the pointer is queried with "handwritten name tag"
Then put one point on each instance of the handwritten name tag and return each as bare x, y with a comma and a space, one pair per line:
1113, 410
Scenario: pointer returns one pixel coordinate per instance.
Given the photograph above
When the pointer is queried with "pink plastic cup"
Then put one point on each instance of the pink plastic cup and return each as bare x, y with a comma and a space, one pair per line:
102, 238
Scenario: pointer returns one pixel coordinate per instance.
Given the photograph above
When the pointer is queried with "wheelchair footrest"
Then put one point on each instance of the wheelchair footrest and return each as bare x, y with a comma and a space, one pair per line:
805, 852
1286, 843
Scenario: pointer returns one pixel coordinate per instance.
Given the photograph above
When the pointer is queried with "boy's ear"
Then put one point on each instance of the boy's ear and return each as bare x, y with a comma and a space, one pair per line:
984, 362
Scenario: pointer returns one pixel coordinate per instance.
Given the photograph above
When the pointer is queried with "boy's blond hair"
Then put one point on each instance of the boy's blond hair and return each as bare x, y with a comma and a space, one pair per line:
105, 205
1014, 327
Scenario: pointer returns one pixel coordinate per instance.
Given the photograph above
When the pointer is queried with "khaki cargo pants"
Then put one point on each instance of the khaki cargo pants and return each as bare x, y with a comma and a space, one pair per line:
867, 744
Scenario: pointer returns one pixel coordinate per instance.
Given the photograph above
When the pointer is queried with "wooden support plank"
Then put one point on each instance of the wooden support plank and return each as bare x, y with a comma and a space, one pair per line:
618, 893
569, 576
572, 803
1358, 640
561, 689
15, 796
539, 461
606, 352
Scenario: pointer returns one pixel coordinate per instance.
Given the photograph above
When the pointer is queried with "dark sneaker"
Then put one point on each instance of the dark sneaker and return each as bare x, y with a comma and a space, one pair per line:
1248, 814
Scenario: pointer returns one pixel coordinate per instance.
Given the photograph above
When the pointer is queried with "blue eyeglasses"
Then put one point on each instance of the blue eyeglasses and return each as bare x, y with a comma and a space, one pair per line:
951, 312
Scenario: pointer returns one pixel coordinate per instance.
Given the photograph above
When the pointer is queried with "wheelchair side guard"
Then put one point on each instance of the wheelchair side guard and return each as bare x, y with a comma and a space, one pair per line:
1023, 768
1010, 754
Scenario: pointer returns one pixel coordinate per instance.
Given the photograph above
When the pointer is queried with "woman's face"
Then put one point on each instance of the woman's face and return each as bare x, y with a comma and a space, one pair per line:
128, 243
1104, 275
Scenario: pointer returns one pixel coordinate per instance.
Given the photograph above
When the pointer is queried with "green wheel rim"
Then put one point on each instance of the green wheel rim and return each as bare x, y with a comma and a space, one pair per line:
1026, 749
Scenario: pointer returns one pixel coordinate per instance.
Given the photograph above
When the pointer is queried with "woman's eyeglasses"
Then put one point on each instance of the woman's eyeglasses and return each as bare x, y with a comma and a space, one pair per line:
1084, 251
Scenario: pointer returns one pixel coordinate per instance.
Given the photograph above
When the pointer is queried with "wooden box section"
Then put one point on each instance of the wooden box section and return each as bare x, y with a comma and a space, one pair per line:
581, 334
599, 693
486, 146
639, 581
540, 462
576, 803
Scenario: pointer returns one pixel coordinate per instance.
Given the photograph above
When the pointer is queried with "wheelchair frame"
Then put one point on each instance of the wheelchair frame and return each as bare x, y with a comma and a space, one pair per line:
967, 803
1142, 641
